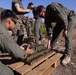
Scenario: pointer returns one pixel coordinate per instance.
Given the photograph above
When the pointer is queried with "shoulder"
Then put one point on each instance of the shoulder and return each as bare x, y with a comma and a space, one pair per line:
15, 2
4, 33
2, 27
53, 6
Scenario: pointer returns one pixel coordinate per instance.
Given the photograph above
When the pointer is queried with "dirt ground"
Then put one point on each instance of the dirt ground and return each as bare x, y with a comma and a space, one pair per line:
70, 69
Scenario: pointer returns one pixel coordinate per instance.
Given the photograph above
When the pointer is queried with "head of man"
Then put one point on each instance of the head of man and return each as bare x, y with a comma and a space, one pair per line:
41, 11
30, 5
9, 18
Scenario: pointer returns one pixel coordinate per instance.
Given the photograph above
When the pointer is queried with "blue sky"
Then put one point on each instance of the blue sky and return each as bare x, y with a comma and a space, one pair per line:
68, 3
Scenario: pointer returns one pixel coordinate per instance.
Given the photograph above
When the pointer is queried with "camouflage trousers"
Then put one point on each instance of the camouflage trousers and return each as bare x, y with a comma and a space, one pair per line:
20, 30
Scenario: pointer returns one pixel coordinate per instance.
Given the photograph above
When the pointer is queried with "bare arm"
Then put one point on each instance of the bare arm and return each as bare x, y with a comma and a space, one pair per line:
49, 42
22, 10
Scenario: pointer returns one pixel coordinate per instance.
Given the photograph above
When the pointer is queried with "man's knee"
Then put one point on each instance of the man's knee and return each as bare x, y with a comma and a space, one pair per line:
7, 71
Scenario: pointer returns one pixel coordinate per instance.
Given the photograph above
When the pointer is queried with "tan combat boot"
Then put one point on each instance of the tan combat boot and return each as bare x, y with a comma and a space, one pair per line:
66, 60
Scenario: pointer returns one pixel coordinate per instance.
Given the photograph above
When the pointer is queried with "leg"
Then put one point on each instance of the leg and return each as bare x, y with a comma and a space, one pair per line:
30, 32
56, 31
40, 32
68, 39
27, 31
37, 28
5, 70
20, 32
19, 40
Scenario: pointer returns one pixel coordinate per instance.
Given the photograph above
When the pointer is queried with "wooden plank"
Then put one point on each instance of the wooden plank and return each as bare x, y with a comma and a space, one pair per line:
16, 65
12, 63
45, 66
54, 61
51, 68
4, 54
5, 58
57, 62
24, 69
41, 67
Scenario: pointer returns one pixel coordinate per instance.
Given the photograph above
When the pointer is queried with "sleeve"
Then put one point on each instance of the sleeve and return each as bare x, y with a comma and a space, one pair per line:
61, 12
48, 26
16, 4
10, 46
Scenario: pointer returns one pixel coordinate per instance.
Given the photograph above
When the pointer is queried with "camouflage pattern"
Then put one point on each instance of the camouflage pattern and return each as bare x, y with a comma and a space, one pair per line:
20, 26
28, 26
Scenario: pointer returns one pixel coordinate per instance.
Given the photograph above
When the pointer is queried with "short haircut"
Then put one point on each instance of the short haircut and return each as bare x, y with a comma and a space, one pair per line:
40, 8
29, 5
8, 14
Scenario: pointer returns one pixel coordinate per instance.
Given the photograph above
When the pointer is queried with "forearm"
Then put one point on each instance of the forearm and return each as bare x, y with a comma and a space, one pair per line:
49, 38
10, 46
17, 52
24, 11
65, 32
65, 28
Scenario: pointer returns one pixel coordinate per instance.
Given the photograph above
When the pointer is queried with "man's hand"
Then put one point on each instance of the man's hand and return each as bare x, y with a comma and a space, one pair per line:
49, 42
49, 47
64, 33
27, 10
29, 51
22, 47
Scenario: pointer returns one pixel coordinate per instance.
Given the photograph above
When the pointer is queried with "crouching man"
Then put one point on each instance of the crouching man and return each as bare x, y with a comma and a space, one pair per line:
8, 21
65, 20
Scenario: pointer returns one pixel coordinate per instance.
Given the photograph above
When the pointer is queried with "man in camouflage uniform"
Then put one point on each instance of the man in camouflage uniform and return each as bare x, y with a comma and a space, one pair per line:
18, 8
65, 20
37, 25
8, 21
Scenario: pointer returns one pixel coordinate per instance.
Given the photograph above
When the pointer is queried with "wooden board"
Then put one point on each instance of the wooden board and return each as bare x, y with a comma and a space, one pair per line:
43, 66
24, 69
46, 67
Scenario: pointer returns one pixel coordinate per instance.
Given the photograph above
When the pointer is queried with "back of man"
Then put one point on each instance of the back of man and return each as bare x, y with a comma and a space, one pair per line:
58, 13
